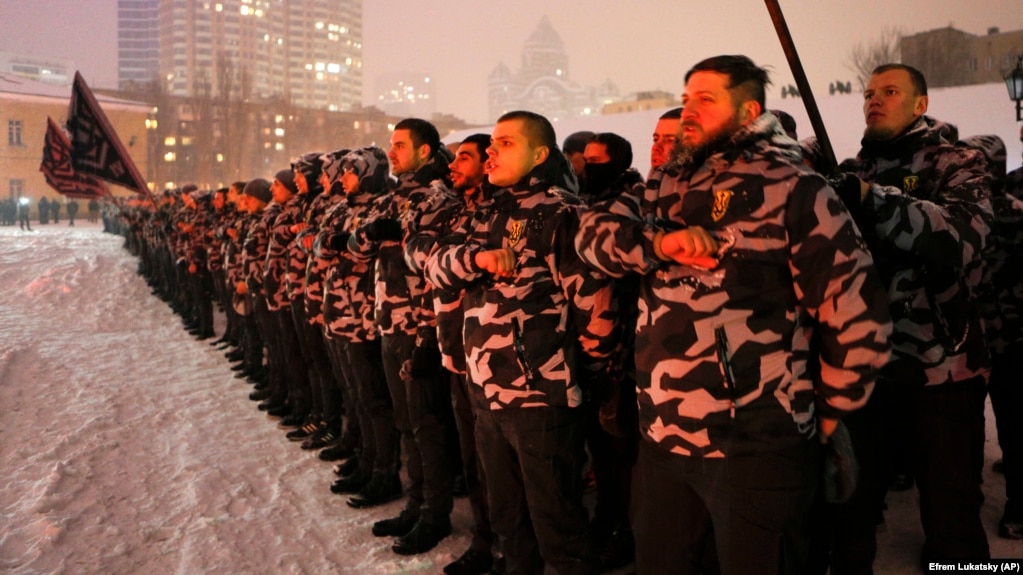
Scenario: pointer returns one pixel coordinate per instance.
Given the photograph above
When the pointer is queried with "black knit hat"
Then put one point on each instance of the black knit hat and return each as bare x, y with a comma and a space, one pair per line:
287, 177
259, 189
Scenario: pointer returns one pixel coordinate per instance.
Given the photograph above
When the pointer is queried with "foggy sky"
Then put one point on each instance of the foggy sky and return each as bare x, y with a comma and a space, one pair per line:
638, 44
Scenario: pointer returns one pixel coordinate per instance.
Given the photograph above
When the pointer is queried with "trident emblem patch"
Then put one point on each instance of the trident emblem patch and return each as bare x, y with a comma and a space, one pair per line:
721, 200
516, 233
909, 183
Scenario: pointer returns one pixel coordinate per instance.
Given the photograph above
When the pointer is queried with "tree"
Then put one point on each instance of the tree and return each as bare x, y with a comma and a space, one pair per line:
864, 57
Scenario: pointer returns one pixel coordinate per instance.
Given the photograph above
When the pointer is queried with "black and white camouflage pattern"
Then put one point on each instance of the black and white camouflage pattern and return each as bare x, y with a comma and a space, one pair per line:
402, 298
533, 338
278, 265
713, 346
926, 220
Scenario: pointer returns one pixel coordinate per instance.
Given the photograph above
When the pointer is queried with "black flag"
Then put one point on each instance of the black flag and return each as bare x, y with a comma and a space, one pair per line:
60, 175
95, 147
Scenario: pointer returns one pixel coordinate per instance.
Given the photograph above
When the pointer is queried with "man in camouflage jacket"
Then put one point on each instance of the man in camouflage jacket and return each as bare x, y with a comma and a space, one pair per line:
284, 342
923, 204
740, 247
445, 217
404, 315
353, 339
539, 326
1002, 305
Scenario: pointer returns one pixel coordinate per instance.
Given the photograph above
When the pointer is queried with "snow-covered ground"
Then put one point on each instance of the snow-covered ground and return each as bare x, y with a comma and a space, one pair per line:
128, 447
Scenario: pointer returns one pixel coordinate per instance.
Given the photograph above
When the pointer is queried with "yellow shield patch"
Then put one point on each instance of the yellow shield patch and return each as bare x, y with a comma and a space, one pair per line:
516, 233
721, 200
909, 183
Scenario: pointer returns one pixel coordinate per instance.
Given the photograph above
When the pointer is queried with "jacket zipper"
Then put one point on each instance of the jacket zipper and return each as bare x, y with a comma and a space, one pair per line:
721, 342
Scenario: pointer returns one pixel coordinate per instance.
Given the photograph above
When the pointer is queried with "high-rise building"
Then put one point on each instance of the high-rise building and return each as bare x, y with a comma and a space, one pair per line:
406, 94
138, 43
308, 52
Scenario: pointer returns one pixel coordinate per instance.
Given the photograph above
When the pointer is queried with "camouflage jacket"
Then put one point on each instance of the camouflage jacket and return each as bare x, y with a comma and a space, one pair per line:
320, 258
215, 249
233, 251
926, 221
1001, 296
298, 256
402, 301
197, 241
349, 307
532, 339
254, 247
444, 222
716, 346
277, 253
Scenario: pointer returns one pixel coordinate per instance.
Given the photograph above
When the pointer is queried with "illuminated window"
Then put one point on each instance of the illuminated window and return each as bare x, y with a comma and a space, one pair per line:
169, 157
169, 141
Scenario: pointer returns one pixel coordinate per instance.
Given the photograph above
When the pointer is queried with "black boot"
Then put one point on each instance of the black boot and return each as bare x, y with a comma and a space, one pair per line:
351, 484
382, 488
423, 537
396, 526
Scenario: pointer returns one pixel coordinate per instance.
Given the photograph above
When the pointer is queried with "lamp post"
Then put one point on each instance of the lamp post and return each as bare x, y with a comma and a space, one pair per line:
1014, 84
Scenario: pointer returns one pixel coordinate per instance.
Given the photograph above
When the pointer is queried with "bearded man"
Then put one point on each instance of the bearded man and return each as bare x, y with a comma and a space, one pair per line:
739, 249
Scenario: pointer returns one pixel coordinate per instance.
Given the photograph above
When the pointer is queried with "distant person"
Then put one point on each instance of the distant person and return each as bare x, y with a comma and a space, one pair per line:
93, 210
44, 210
55, 211
23, 209
72, 211
664, 137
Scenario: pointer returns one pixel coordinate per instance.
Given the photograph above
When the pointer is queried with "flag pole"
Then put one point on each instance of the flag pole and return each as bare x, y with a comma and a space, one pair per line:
796, 66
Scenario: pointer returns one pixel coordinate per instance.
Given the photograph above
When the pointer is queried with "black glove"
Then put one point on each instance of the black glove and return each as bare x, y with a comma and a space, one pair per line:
383, 229
425, 360
841, 468
847, 186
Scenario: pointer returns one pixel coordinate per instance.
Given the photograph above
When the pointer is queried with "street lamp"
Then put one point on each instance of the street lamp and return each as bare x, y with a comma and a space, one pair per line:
1014, 84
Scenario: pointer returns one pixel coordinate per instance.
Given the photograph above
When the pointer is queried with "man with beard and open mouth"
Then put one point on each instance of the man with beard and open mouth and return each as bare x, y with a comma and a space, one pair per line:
739, 247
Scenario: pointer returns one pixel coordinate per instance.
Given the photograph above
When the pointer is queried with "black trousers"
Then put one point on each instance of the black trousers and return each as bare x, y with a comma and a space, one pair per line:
749, 507
371, 400
1006, 387
322, 388
295, 374
483, 536
532, 459
422, 408
948, 459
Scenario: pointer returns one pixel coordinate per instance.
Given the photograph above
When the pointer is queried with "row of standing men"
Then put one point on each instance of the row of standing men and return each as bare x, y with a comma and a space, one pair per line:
702, 332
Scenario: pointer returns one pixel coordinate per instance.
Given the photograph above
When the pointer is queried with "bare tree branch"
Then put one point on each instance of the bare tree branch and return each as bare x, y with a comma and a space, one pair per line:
864, 57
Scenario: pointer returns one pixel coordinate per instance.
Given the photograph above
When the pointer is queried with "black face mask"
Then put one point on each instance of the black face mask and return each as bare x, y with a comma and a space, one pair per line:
599, 177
